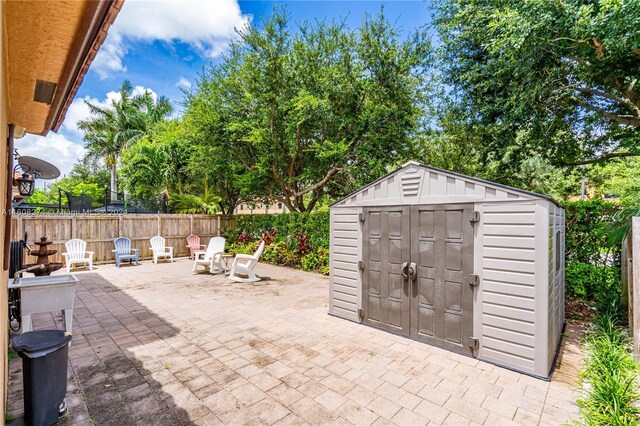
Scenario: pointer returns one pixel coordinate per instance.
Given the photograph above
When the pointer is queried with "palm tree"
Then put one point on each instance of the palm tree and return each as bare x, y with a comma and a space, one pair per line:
192, 204
115, 127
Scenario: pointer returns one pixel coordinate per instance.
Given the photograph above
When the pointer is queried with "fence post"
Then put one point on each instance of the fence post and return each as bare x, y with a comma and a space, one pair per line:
634, 287
159, 225
190, 224
74, 229
219, 226
19, 228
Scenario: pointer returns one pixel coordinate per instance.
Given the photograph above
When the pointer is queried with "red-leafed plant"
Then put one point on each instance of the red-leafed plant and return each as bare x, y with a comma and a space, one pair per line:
244, 237
303, 243
269, 237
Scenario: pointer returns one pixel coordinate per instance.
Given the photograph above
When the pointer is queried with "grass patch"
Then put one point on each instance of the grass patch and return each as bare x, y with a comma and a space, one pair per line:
608, 380
11, 354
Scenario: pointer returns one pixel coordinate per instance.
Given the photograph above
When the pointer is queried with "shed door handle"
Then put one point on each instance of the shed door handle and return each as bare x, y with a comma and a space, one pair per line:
405, 272
412, 271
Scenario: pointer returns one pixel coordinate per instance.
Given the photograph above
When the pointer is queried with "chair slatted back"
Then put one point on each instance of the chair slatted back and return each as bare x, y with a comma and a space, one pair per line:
193, 241
158, 242
122, 245
76, 248
258, 252
216, 245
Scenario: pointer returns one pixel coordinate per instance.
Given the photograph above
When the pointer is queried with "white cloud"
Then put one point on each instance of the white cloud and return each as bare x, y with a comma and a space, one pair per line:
54, 148
141, 90
108, 61
183, 83
78, 110
206, 25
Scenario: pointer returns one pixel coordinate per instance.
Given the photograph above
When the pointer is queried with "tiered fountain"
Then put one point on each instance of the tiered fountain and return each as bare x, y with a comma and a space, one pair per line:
43, 253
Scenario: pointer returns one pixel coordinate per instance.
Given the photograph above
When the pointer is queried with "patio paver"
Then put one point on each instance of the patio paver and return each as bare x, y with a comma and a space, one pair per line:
156, 344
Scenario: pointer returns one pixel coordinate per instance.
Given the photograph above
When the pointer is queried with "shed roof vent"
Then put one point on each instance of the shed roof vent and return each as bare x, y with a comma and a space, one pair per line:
411, 183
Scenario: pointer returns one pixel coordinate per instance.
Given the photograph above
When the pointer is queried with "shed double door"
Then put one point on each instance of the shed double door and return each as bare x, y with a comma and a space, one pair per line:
417, 280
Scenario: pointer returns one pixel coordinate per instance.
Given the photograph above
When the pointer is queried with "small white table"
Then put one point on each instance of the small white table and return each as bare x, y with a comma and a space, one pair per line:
46, 294
226, 258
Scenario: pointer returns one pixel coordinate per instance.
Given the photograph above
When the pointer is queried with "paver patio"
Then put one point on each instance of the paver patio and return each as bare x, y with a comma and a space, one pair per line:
157, 344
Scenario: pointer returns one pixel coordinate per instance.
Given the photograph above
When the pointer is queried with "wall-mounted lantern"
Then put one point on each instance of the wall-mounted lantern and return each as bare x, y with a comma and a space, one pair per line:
26, 184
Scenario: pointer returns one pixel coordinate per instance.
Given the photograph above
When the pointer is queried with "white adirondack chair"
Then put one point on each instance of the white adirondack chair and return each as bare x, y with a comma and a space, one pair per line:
77, 253
159, 249
243, 264
212, 257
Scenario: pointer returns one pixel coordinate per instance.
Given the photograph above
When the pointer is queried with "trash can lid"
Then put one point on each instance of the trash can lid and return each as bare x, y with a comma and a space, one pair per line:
34, 341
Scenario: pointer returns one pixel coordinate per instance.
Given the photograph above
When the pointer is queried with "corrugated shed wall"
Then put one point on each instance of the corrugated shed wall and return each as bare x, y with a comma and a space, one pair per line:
518, 254
344, 277
508, 234
556, 278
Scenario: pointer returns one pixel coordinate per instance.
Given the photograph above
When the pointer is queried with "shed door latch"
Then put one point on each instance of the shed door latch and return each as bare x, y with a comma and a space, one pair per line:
475, 216
361, 217
474, 343
361, 265
361, 313
474, 280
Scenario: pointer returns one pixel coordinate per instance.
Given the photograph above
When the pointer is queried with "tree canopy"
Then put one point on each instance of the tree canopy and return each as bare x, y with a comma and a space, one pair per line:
557, 78
519, 92
291, 111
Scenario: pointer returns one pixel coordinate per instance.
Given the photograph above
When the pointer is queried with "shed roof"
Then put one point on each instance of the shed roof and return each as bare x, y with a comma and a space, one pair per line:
413, 164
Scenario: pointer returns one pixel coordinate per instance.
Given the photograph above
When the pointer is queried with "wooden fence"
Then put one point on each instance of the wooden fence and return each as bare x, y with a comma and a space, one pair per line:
99, 231
631, 282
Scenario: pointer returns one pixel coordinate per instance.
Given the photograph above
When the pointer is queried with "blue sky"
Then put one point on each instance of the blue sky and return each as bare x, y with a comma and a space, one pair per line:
162, 46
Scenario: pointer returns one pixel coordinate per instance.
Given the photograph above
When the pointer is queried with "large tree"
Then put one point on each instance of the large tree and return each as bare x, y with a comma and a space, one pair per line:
557, 78
294, 109
112, 128
158, 162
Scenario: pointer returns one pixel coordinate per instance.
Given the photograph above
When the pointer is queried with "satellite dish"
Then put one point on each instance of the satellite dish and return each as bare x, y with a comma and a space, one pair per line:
39, 168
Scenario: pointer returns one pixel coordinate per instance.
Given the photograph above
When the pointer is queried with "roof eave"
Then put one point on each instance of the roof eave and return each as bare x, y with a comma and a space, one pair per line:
99, 17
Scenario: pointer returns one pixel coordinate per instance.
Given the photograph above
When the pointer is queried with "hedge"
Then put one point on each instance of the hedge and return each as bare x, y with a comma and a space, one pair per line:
592, 266
587, 228
299, 240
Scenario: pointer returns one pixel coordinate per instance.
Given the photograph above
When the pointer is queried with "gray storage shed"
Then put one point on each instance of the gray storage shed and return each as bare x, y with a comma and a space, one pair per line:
459, 262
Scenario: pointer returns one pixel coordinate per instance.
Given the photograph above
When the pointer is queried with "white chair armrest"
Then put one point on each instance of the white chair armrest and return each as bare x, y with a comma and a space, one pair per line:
65, 254
89, 252
135, 250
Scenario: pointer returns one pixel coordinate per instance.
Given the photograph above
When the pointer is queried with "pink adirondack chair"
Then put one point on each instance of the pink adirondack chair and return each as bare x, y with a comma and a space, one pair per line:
193, 242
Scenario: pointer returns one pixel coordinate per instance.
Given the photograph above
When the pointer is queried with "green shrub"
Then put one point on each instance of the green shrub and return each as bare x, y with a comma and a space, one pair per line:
299, 240
316, 261
589, 282
241, 248
586, 238
610, 392
592, 265
314, 224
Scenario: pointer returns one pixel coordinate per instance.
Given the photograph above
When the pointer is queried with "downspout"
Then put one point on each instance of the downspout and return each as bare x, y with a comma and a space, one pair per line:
9, 200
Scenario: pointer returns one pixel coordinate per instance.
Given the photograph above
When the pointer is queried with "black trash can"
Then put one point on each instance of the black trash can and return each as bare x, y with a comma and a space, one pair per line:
44, 370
